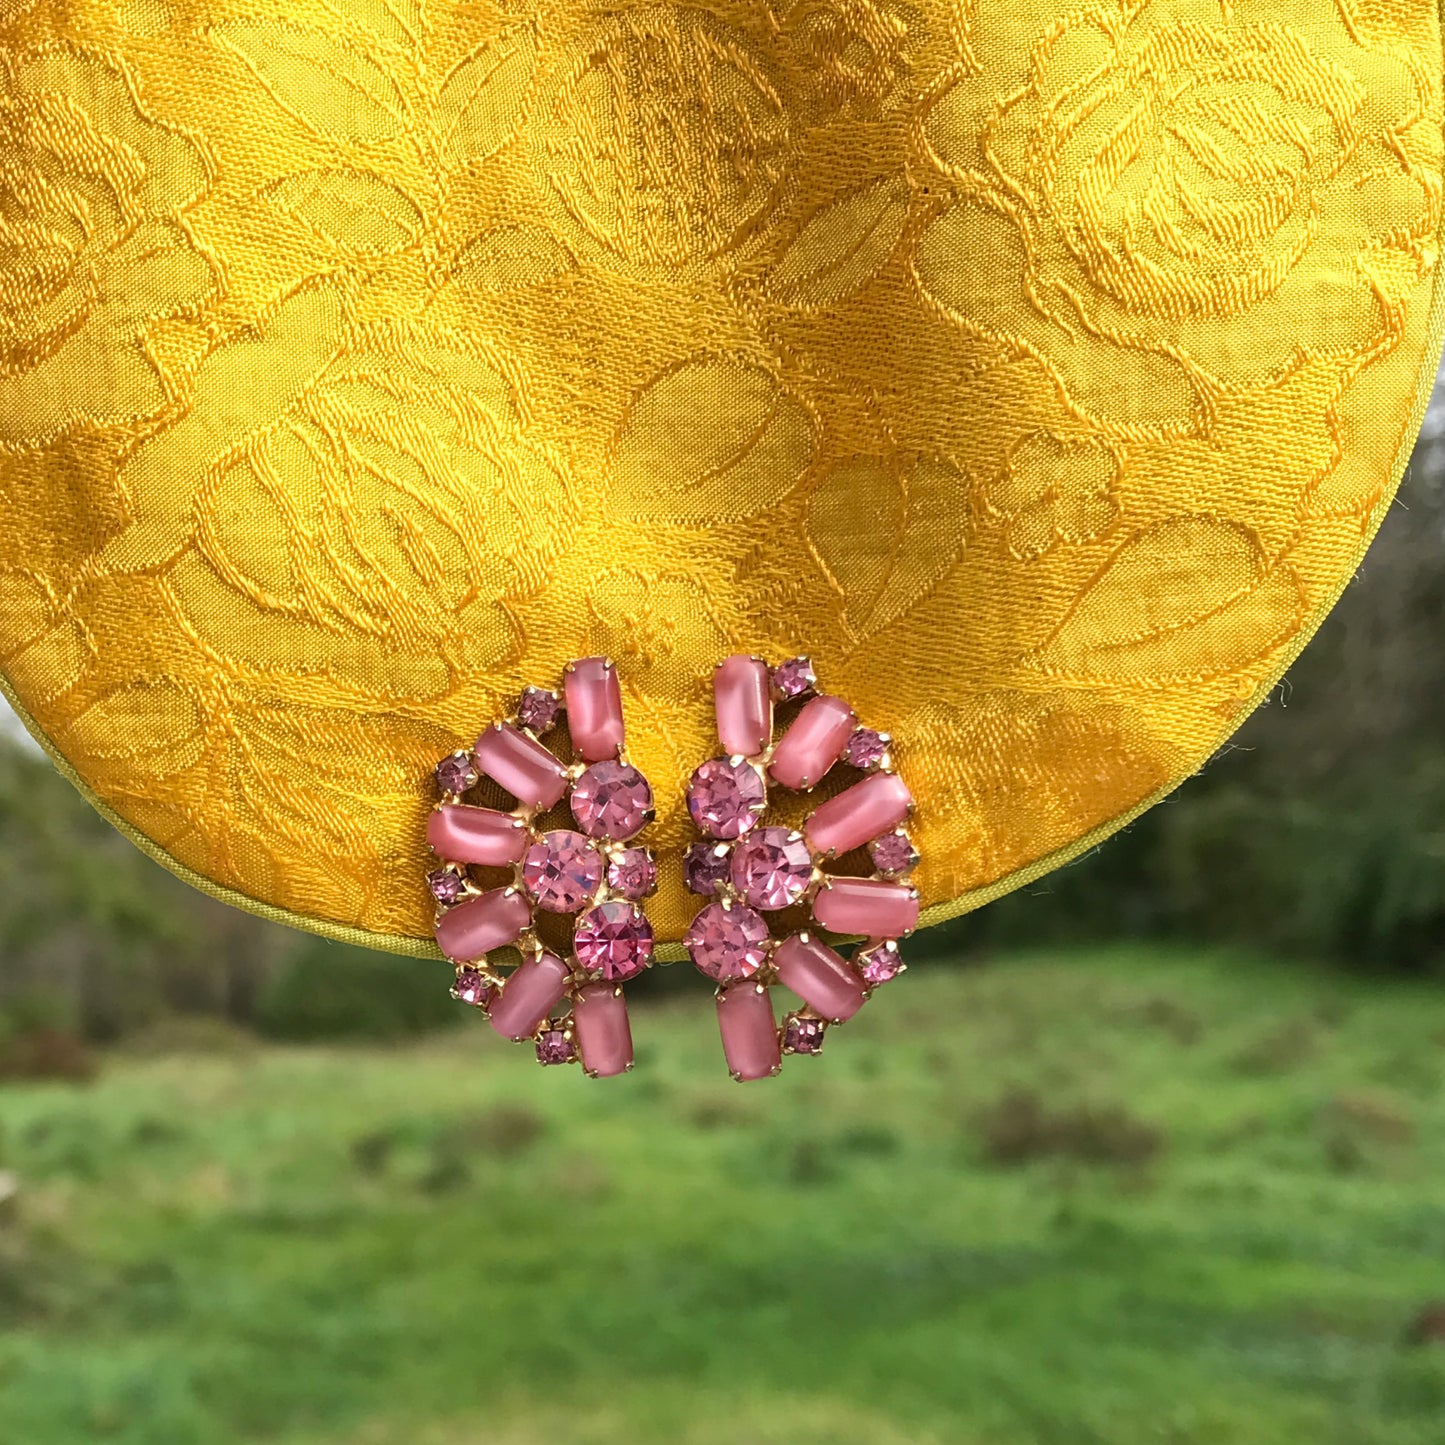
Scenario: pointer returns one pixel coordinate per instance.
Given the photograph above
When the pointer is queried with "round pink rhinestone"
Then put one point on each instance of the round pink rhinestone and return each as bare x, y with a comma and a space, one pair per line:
725, 798
704, 866
632, 873
562, 871
457, 773
554, 1047
470, 987
893, 854
537, 711
445, 885
612, 800
795, 678
727, 943
803, 1035
613, 941
772, 868
878, 964
866, 748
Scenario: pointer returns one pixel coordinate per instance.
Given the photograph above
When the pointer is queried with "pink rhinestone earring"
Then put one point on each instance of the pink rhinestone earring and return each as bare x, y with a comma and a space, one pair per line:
776, 880
571, 905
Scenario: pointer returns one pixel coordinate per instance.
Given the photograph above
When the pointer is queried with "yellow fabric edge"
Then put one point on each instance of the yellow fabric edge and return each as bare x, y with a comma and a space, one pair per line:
939, 912
978, 897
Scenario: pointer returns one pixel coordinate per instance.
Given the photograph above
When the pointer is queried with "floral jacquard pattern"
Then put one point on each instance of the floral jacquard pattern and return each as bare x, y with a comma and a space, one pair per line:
1158, 172
459, 510
1039, 367
1053, 492
92, 243
670, 137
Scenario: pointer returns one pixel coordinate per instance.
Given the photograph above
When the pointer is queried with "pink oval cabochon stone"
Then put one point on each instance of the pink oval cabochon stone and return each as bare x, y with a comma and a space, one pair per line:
599, 1017
743, 699
859, 814
529, 995
522, 766
464, 834
472, 929
868, 906
813, 742
594, 708
824, 980
749, 1031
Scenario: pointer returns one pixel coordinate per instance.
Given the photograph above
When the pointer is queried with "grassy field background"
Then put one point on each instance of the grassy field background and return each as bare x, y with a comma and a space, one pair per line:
1094, 1199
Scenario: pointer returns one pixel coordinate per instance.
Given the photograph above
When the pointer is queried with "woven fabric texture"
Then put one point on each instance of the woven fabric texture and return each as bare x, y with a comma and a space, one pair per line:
1042, 369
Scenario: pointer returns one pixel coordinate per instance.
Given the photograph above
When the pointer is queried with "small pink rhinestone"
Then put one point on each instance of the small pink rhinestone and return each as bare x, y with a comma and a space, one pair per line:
866, 748
611, 800
727, 943
470, 987
704, 866
445, 885
893, 854
725, 798
772, 868
537, 711
878, 964
803, 1035
562, 871
613, 941
457, 773
633, 873
795, 678
554, 1047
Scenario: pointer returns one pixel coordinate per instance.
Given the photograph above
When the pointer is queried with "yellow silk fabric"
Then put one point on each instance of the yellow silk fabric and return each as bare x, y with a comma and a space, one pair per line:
1040, 367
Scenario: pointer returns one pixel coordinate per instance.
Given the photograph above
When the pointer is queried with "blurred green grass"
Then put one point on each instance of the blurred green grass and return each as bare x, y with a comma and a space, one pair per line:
1099, 1198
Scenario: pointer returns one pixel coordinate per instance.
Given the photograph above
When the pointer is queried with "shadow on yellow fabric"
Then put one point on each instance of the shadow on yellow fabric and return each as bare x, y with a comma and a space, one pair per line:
1041, 367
